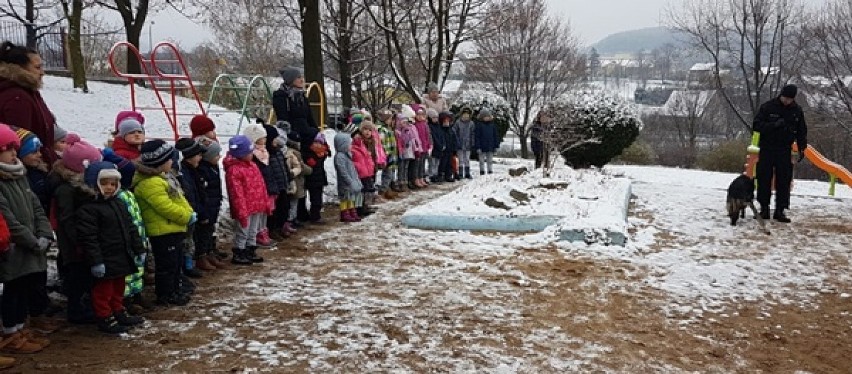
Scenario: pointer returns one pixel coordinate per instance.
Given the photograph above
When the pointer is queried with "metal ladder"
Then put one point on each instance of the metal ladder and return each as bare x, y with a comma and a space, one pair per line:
251, 93
158, 79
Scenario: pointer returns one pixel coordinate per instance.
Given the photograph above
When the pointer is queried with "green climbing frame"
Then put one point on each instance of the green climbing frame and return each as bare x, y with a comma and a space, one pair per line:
250, 93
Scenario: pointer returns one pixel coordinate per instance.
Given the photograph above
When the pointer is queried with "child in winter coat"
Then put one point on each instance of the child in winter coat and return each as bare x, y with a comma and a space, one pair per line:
60, 142
408, 143
435, 153
447, 146
70, 193
37, 172
248, 198
135, 282
129, 134
315, 182
210, 171
387, 139
422, 125
296, 189
348, 184
26, 259
464, 133
106, 233
194, 186
486, 141
37, 169
257, 135
364, 165
276, 145
167, 216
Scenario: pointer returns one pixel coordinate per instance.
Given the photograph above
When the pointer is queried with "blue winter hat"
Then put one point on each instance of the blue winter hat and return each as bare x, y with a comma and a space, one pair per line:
30, 143
98, 171
240, 146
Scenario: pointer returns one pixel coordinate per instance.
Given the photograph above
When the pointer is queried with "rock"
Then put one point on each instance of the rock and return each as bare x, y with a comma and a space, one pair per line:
553, 185
517, 172
494, 203
522, 197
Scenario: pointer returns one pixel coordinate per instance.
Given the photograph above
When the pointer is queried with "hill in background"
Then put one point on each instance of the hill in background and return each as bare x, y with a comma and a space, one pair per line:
632, 41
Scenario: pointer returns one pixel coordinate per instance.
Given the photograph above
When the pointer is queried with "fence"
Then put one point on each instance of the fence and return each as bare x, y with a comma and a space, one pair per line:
50, 42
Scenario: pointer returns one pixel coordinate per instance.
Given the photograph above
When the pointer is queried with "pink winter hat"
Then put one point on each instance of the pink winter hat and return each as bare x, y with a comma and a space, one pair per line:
79, 154
125, 114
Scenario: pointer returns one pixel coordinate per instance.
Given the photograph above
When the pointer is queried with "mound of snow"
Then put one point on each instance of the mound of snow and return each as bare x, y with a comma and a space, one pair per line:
577, 205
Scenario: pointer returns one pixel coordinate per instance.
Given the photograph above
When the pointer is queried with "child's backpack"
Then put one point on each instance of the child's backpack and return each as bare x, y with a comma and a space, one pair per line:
5, 235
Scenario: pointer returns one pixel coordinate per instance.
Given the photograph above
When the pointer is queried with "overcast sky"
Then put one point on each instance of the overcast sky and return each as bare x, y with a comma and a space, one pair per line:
593, 20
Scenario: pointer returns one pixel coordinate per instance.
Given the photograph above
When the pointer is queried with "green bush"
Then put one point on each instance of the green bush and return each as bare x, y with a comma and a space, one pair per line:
591, 128
638, 153
729, 156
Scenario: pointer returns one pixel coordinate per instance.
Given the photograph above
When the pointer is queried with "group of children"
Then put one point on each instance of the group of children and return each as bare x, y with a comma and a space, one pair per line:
108, 209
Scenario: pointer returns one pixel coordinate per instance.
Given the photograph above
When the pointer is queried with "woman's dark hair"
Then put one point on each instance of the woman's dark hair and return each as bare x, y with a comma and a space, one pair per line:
15, 54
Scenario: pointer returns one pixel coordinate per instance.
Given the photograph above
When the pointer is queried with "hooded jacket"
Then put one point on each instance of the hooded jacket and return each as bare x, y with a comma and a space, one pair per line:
485, 137
26, 221
69, 195
348, 183
214, 196
362, 159
464, 132
425, 136
161, 200
22, 105
246, 194
408, 141
194, 187
107, 235
298, 169
438, 138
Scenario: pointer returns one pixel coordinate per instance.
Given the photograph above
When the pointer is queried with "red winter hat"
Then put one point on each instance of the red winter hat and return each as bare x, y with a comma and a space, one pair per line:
8, 138
200, 125
125, 114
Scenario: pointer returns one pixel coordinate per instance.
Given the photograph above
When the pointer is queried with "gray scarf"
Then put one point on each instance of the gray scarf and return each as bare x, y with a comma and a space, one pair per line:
17, 169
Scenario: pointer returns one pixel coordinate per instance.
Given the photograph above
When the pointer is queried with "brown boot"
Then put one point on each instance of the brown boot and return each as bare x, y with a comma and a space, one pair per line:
44, 325
215, 261
204, 264
6, 362
17, 343
35, 337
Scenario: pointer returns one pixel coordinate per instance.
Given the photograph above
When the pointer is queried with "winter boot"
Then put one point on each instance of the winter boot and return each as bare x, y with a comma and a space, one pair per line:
215, 261
203, 263
251, 254
780, 216
239, 257
44, 325
263, 239
222, 255
193, 273
6, 362
35, 337
17, 343
278, 235
110, 325
467, 173
354, 215
481, 172
126, 319
288, 228
764, 212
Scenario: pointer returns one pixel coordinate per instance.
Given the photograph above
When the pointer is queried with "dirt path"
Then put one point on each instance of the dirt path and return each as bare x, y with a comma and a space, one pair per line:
374, 297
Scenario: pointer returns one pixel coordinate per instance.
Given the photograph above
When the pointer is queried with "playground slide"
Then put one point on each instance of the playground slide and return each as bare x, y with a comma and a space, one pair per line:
830, 167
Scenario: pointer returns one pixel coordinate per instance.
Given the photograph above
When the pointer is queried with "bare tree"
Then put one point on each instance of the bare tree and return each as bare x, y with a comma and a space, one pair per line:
749, 36
30, 13
827, 37
529, 60
133, 16
422, 37
73, 11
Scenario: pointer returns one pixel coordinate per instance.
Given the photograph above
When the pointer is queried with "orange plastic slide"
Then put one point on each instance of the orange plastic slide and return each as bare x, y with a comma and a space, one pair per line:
827, 165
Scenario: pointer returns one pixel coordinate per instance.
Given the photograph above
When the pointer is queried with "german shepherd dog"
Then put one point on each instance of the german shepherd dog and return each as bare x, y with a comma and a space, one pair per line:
741, 196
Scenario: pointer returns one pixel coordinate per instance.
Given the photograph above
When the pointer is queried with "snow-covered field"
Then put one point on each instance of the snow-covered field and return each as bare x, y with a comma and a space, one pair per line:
688, 293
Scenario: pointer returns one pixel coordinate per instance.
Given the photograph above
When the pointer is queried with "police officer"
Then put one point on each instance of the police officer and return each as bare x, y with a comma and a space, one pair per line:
780, 121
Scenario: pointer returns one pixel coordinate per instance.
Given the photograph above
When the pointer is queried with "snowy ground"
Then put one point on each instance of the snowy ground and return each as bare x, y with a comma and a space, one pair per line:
689, 293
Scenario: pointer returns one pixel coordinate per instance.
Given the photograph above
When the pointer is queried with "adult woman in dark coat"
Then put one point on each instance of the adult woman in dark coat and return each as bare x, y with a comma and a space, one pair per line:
291, 105
21, 103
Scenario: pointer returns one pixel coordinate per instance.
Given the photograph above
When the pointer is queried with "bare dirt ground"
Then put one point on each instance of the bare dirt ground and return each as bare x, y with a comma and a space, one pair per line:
376, 297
